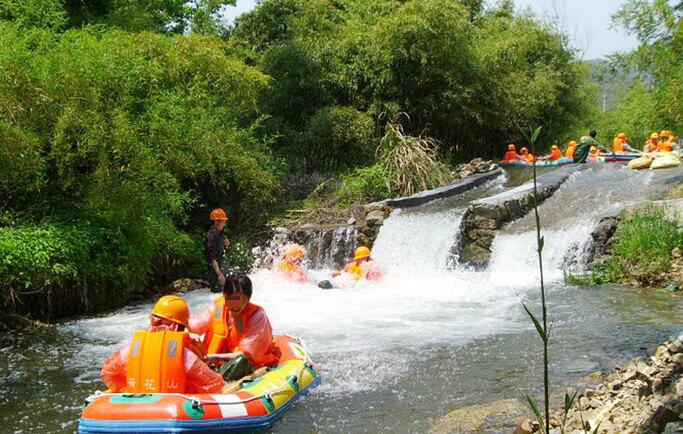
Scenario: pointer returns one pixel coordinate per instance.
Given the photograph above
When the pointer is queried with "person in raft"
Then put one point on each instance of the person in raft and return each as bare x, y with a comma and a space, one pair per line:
652, 145
571, 147
362, 266
215, 245
555, 154
511, 155
666, 141
620, 144
237, 334
527, 156
290, 267
162, 359
584, 148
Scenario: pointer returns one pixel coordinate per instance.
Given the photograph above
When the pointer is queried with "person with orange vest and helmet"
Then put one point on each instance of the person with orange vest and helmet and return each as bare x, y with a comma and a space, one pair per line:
555, 153
237, 333
290, 267
620, 144
652, 145
362, 266
666, 141
162, 359
569, 153
215, 245
511, 154
527, 156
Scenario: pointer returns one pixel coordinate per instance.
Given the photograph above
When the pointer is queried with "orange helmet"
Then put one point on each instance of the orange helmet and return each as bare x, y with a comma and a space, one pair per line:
654, 135
511, 147
362, 252
172, 308
621, 136
218, 214
573, 143
295, 252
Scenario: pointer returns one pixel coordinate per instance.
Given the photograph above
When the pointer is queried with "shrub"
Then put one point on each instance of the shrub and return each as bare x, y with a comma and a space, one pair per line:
366, 184
339, 137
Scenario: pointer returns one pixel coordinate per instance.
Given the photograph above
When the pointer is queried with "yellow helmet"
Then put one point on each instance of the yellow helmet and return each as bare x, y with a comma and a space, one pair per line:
362, 252
554, 147
524, 149
654, 135
511, 147
172, 308
621, 136
665, 133
573, 143
295, 252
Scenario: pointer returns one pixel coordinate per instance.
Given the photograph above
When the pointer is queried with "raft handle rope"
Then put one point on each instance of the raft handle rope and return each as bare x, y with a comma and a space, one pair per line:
197, 401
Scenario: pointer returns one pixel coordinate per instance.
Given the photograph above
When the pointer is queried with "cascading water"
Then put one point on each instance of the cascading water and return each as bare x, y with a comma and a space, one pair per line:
398, 354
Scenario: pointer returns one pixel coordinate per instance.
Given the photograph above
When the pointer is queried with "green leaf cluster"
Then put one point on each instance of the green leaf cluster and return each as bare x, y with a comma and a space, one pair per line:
473, 77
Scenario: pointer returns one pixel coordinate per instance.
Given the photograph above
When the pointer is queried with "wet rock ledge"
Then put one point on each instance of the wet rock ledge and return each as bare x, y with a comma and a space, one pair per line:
485, 217
645, 396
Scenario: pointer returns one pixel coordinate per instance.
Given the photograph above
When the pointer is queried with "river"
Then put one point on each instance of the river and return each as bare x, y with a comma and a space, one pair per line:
398, 355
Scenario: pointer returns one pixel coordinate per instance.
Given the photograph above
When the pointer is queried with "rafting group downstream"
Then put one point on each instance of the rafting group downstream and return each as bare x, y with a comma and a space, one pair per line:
587, 149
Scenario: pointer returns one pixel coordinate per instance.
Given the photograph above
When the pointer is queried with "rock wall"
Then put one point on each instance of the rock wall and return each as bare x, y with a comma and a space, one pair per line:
327, 246
485, 217
645, 396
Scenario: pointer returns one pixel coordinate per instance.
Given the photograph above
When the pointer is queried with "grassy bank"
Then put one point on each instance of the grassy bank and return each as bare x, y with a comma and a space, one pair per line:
647, 252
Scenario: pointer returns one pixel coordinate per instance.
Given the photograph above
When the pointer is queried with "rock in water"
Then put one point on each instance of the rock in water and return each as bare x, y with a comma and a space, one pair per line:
477, 416
325, 284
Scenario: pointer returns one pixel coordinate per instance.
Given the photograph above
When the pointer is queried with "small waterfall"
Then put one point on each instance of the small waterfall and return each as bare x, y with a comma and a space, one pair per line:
418, 238
329, 248
326, 248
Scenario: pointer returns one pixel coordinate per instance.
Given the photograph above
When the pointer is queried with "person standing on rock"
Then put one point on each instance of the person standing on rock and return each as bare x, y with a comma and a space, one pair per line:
584, 147
215, 245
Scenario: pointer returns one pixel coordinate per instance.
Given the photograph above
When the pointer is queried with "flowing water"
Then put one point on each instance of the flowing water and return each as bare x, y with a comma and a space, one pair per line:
398, 355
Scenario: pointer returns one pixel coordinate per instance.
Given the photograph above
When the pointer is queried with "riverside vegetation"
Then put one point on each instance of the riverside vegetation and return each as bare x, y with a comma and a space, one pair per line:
121, 125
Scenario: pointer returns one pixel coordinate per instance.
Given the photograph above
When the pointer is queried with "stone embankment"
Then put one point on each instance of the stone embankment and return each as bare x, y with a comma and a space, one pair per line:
645, 396
333, 244
485, 217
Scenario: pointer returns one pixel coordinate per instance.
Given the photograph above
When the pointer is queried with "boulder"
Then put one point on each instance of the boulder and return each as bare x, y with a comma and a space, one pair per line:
640, 163
375, 217
474, 417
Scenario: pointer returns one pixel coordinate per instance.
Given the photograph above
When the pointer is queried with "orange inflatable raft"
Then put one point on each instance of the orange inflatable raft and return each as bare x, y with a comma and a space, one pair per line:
257, 404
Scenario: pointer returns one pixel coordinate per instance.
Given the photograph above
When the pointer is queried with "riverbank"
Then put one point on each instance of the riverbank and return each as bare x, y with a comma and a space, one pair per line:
643, 396
641, 247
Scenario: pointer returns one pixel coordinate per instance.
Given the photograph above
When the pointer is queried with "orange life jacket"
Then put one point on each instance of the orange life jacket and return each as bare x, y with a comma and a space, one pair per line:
665, 146
511, 156
156, 362
618, 145
220, 337
355, 270
569, 153
555, 154
529, 157
293, 271
650, 147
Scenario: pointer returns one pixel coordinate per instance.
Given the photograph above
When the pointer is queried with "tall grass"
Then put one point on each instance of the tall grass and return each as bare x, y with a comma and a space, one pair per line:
412, 163
644, 250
